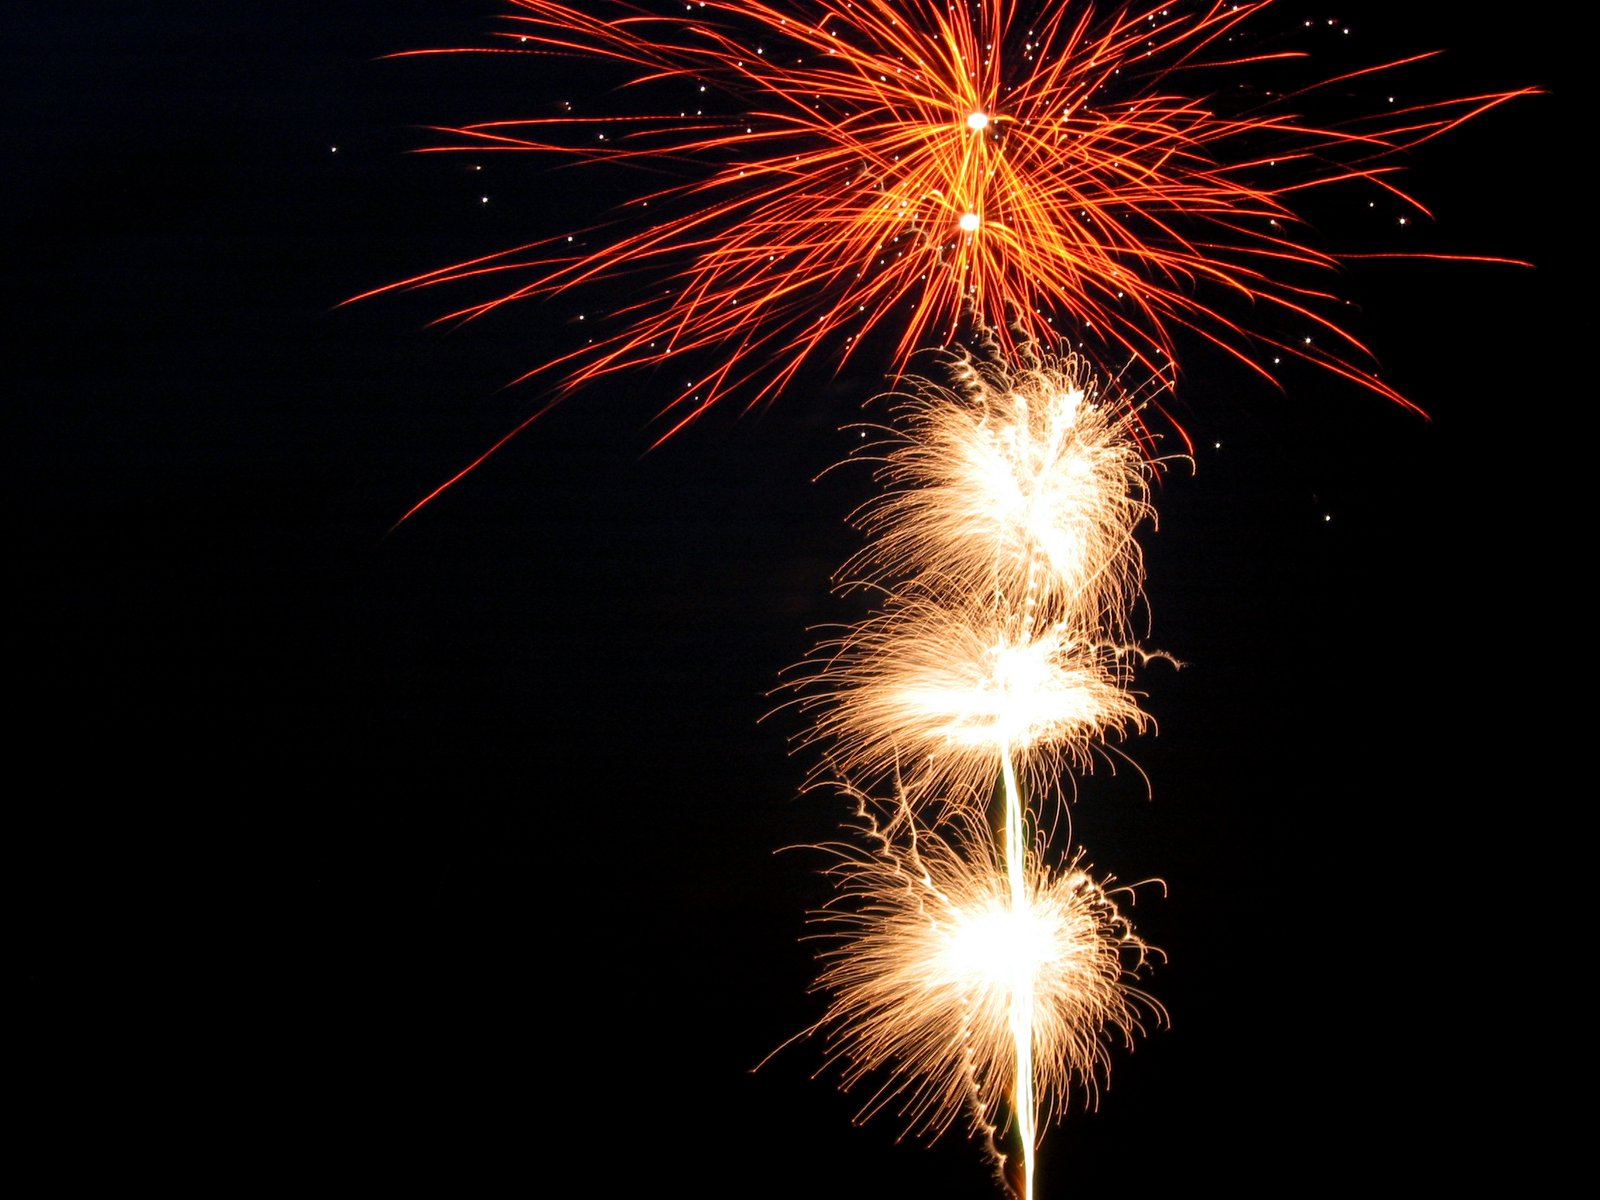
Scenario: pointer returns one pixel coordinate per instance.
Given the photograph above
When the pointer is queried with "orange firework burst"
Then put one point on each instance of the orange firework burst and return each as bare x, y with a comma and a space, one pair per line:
905, 165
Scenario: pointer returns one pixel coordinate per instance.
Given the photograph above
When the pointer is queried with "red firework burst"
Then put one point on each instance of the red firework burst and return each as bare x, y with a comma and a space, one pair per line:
911, 165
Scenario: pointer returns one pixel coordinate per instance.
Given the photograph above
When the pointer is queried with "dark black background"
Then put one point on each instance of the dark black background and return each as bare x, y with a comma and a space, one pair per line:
445, 858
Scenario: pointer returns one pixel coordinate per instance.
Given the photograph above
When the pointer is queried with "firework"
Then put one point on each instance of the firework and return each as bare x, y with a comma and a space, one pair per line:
907, 174
905, 166
966, 975
1004, 549
931, 958
933, 696
1020, 479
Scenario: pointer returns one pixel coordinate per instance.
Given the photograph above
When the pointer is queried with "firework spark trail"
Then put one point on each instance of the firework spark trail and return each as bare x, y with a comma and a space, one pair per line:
1024, 1101
901, 165
1004, 582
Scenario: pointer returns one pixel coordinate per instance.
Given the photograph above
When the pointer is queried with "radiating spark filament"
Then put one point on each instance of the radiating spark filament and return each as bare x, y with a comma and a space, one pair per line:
1026, 957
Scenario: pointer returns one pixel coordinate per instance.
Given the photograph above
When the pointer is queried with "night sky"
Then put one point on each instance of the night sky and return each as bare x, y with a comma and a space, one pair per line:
448, 859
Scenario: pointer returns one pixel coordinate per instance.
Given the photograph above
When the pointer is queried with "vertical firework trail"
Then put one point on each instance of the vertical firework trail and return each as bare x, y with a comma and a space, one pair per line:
907, 175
